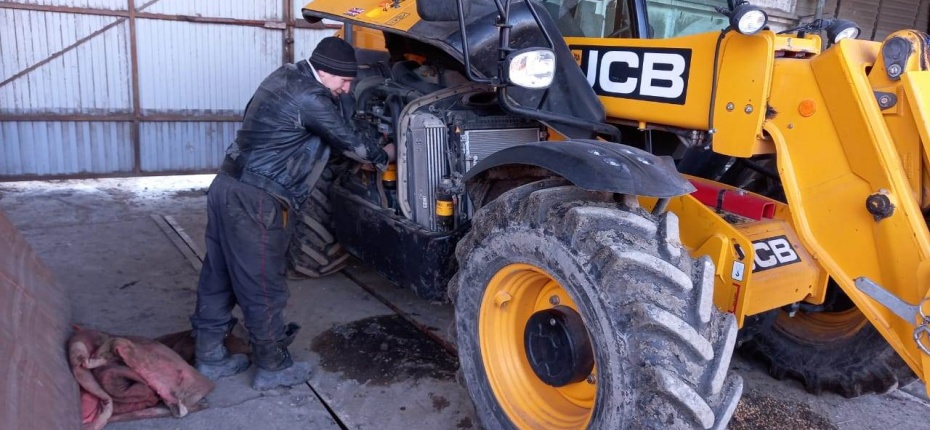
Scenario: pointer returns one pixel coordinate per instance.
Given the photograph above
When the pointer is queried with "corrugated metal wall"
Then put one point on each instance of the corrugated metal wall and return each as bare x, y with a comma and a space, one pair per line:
877, 18
135, 87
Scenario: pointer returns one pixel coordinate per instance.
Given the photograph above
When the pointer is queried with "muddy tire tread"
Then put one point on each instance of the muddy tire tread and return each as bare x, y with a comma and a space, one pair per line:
862, 364
669, 327
314, 251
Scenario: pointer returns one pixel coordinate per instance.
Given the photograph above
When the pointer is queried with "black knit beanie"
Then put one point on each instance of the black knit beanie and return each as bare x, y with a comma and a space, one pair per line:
334, 56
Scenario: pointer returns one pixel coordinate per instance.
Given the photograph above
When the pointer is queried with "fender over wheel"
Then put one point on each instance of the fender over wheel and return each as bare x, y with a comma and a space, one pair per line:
574, 311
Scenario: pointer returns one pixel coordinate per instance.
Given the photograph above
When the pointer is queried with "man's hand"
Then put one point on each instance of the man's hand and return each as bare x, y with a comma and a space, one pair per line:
391, 151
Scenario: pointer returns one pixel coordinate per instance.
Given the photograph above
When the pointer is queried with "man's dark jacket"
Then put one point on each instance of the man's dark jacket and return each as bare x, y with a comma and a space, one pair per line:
289, 127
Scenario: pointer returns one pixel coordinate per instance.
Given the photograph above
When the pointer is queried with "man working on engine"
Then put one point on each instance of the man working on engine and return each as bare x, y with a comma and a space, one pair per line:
289, 127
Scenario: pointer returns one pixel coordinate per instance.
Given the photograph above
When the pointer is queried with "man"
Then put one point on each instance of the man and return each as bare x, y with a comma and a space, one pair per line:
290, 125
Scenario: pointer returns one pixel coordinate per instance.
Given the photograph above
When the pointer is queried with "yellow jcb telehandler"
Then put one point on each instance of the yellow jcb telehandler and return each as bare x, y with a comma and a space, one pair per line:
615, 195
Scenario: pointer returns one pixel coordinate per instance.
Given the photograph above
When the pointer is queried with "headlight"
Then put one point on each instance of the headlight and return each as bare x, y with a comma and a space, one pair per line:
841, 29
748, 19
531, 68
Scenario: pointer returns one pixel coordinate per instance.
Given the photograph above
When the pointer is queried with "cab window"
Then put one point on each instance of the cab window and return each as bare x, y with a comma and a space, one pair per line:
613, 18
673, 18
591, 18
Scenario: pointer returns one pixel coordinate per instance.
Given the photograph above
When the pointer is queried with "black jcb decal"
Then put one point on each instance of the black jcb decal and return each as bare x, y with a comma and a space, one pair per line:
651, 74
773, 252
393, 21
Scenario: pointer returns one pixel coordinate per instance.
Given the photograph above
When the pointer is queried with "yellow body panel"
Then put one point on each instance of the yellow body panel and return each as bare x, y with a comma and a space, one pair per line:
901, 117
379, 13
829, 163
739, 287
365, 38
781, 285
915, 93
733, 106
742, 90
691, 115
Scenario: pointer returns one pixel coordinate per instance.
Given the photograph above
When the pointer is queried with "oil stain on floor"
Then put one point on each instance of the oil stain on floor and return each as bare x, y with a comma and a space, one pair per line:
383, 350
759, 411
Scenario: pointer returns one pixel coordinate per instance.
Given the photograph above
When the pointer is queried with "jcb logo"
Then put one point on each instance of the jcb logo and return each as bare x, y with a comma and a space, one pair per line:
773, 252
653, 74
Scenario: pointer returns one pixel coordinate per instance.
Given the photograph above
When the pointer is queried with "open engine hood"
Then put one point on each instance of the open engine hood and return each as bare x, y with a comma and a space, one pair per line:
570, 93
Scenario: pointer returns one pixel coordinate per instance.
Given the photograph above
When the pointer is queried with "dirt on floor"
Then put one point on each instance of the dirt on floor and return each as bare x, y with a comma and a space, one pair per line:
383, 350
374, 368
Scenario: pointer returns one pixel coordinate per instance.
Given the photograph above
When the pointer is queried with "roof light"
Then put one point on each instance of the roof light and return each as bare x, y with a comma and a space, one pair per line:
748, 19
841, 29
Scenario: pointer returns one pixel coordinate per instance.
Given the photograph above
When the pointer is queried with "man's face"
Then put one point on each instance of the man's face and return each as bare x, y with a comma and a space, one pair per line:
337, 84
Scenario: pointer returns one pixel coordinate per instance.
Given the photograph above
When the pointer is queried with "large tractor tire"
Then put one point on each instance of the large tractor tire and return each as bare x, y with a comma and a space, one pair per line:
574, 311
837, 350
314, 251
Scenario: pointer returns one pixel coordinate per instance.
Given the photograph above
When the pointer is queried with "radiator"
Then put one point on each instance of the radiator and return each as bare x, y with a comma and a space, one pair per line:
426, 165
427, 161
481, 143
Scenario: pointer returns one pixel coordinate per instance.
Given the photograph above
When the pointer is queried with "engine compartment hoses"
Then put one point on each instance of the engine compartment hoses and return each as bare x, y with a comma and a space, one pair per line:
395, 104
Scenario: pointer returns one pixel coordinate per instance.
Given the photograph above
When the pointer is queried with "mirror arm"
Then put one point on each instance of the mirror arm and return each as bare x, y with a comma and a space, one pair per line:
539, 23
500, 7
465, 53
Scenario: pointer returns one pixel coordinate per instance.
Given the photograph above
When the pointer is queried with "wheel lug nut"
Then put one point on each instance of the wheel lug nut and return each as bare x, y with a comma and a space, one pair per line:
554, 300
551, 321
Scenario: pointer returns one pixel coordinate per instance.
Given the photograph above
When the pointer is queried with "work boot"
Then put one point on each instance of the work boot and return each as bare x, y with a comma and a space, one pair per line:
213, 360
275, 366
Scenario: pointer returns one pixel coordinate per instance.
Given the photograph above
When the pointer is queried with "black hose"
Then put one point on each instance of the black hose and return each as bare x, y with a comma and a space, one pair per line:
752, 165
395, 104
713, 84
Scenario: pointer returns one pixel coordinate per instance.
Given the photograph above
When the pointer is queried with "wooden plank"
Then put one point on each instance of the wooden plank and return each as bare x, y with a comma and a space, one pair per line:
181, 246
185, 237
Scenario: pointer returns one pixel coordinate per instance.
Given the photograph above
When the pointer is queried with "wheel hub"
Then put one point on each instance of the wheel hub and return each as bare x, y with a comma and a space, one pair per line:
558, 347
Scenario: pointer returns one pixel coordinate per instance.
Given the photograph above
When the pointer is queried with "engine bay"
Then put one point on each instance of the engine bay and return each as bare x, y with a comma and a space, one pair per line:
442, 126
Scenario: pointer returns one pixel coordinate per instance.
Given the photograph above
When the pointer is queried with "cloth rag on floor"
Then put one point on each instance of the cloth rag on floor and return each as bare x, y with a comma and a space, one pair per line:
128, 377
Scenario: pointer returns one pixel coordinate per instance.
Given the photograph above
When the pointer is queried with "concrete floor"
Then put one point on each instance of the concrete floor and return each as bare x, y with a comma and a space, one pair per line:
127, 250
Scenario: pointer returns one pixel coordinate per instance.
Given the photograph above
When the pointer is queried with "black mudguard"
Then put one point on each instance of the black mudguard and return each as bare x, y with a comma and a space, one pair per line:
594, 165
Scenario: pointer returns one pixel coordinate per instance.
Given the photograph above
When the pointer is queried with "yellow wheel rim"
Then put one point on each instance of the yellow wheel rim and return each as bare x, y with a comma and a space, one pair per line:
817, 328
513, 295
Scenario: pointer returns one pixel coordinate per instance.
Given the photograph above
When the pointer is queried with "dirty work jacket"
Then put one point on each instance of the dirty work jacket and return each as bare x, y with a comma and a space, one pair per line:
289, 127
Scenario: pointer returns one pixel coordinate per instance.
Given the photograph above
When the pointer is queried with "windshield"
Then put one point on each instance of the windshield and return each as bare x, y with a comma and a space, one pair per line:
591, 18
673, 18
613, 18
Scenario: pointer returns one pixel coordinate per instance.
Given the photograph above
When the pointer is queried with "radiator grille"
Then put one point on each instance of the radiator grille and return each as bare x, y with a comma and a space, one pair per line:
427, 166
481, 143
427, 160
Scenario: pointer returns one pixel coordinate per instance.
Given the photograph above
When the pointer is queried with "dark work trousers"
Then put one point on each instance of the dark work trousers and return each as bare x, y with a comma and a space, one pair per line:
246, 261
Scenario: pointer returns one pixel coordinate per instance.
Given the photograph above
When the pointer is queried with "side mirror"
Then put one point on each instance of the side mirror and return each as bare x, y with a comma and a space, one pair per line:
441, 10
